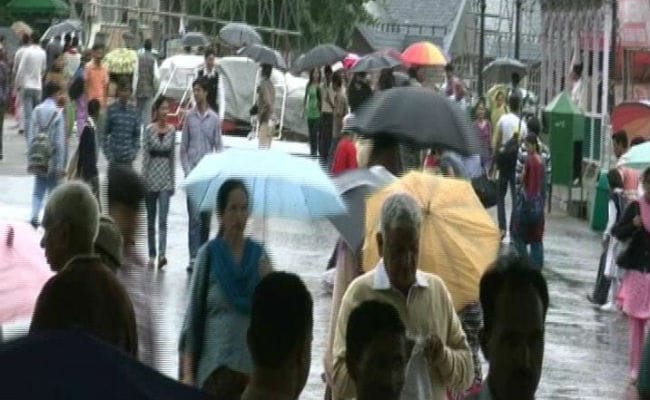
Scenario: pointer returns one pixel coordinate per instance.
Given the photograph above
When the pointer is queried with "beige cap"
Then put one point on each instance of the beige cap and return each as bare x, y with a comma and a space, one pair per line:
108, 243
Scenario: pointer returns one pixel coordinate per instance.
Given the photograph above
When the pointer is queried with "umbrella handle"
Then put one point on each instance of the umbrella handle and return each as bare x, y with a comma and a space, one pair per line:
10, 236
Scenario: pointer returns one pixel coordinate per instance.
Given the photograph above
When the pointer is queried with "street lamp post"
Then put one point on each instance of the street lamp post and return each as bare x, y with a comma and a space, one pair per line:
481, 56
517, 27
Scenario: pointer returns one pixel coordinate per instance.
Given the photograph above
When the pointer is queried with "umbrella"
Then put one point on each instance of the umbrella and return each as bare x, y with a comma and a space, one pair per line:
350, 60
20, 28
23, 270
501, 69
354, 187
320, 56
73, 365
458, 238
419, 116
280, 184
424, 54
195, 39
60, 29
376, 61
264, 55
633, 118
121, 61
638, 157
237, 35
49, 8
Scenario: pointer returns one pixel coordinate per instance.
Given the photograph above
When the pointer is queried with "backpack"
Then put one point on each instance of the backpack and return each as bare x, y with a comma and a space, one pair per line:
41, 150
532, 207
76, 88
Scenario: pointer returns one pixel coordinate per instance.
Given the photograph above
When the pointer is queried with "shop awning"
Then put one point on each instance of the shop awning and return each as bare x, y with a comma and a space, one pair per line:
56, 8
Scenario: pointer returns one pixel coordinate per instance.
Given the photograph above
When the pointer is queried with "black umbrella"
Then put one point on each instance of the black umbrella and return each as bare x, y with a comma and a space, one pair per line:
418, 116
237, 35
72, 365
320, 56
501, 69
195, 39
376, 61
264, 55
61, 29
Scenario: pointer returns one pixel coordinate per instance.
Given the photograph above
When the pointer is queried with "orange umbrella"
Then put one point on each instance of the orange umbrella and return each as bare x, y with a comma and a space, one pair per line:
424, 54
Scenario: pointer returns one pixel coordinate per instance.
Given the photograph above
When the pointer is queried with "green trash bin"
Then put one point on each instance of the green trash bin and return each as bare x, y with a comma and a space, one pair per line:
600, 211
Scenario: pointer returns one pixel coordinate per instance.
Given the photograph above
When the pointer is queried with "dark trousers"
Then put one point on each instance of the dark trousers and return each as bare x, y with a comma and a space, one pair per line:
198, 229
3, 108
326, 126
506, 179
314, 126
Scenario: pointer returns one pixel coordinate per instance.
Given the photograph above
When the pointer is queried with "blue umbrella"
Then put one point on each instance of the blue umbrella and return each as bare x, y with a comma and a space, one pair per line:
280, 184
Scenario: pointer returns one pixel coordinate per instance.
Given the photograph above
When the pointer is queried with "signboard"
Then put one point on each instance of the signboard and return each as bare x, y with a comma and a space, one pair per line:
634, 19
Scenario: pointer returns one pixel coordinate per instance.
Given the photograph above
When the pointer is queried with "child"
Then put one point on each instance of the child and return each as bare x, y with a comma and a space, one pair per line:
345, 157
616, 208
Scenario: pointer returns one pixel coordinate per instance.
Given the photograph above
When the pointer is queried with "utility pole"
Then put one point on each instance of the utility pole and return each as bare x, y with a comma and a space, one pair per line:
481, 49
517, 27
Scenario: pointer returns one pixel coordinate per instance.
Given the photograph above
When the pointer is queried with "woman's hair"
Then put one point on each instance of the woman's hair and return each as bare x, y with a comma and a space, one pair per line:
337, 80
223, 196
615, 179
646, 175
156, 106
312, 78
386, 80
532, 140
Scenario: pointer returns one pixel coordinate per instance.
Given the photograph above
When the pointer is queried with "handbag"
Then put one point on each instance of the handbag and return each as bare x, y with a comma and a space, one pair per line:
486, 190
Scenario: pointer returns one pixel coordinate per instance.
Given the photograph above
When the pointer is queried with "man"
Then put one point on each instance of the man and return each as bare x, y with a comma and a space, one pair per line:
96, 77
126, 193
631, 182
449, 87
84, 293
510, 130
265, 102
515, 90
514, 298
29, 79
280, 338
215, 92
121, 141
53, 50
147, 84
377, 351
47, 118
422, 300
201, 135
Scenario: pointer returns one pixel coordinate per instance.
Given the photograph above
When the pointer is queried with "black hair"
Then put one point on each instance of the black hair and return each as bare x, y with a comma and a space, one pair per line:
123, 85
577, 69
94, 106
281, 319
510, 271
187, 49
98, 47
311, 76
615, 179
266, 71
148, 44
637, 140
620, 138
75, 41
413, 72
125, 187
209, 52
67, 38
224, 194
532, 140
25, 39
156, 105
515, 78
534, 126
202, 82
367, 321
35, 37
449, 67
514, 102
337, 80
386, 79
645, 178
51, 89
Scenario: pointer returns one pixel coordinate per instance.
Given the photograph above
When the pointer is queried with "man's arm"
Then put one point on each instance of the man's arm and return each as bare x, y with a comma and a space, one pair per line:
222, 99
60, 143
106, 137
136, 136
185, 144
218, 139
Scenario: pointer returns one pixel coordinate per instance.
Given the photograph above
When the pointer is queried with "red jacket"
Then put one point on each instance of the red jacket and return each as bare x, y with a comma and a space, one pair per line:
345, 157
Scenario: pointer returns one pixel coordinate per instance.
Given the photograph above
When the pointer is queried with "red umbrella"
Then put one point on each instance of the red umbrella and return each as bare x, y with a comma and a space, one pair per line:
23, 270
424, 54
633, 117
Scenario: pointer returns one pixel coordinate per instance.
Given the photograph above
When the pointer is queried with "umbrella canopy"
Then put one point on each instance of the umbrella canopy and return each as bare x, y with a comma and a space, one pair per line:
279, 184
501, 69
121, 61
23, 271
633, 118
458, 238
354, 187
20, 28
54, 8
638, 157
376, 61
350, 60
195, 39
320, 56
60, 29
238, 34
419, 116
424, 54
264, 55
72, 365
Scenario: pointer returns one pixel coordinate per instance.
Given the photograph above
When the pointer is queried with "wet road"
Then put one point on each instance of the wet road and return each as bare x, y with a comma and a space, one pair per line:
586, 350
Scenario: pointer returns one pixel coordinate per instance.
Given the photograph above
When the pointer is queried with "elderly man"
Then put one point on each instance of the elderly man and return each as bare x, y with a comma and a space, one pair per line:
84, 294
423, 303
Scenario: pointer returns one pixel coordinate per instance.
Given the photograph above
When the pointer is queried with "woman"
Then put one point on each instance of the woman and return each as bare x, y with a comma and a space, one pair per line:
71, 59
634, 295
55, 74
214, 353
312, 106
484, 129
528, 220
499, 109
386, 80
159, 177
616, 207
87, 150
339, 111
4, 92
358, 91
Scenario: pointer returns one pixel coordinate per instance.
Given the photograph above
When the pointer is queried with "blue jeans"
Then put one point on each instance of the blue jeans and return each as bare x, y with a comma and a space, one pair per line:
505, 180
536, 253
30, 99
42, 185
157, 201
198, 228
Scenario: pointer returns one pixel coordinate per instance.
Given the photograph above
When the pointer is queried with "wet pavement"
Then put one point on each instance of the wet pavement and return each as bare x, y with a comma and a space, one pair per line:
586, 350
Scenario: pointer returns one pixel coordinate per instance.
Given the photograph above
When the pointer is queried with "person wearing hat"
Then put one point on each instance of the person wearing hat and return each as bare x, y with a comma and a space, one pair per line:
108, 244
345, 157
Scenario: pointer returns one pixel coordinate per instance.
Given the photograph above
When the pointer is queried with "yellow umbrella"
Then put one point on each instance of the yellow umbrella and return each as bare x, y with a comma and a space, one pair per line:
458, 240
